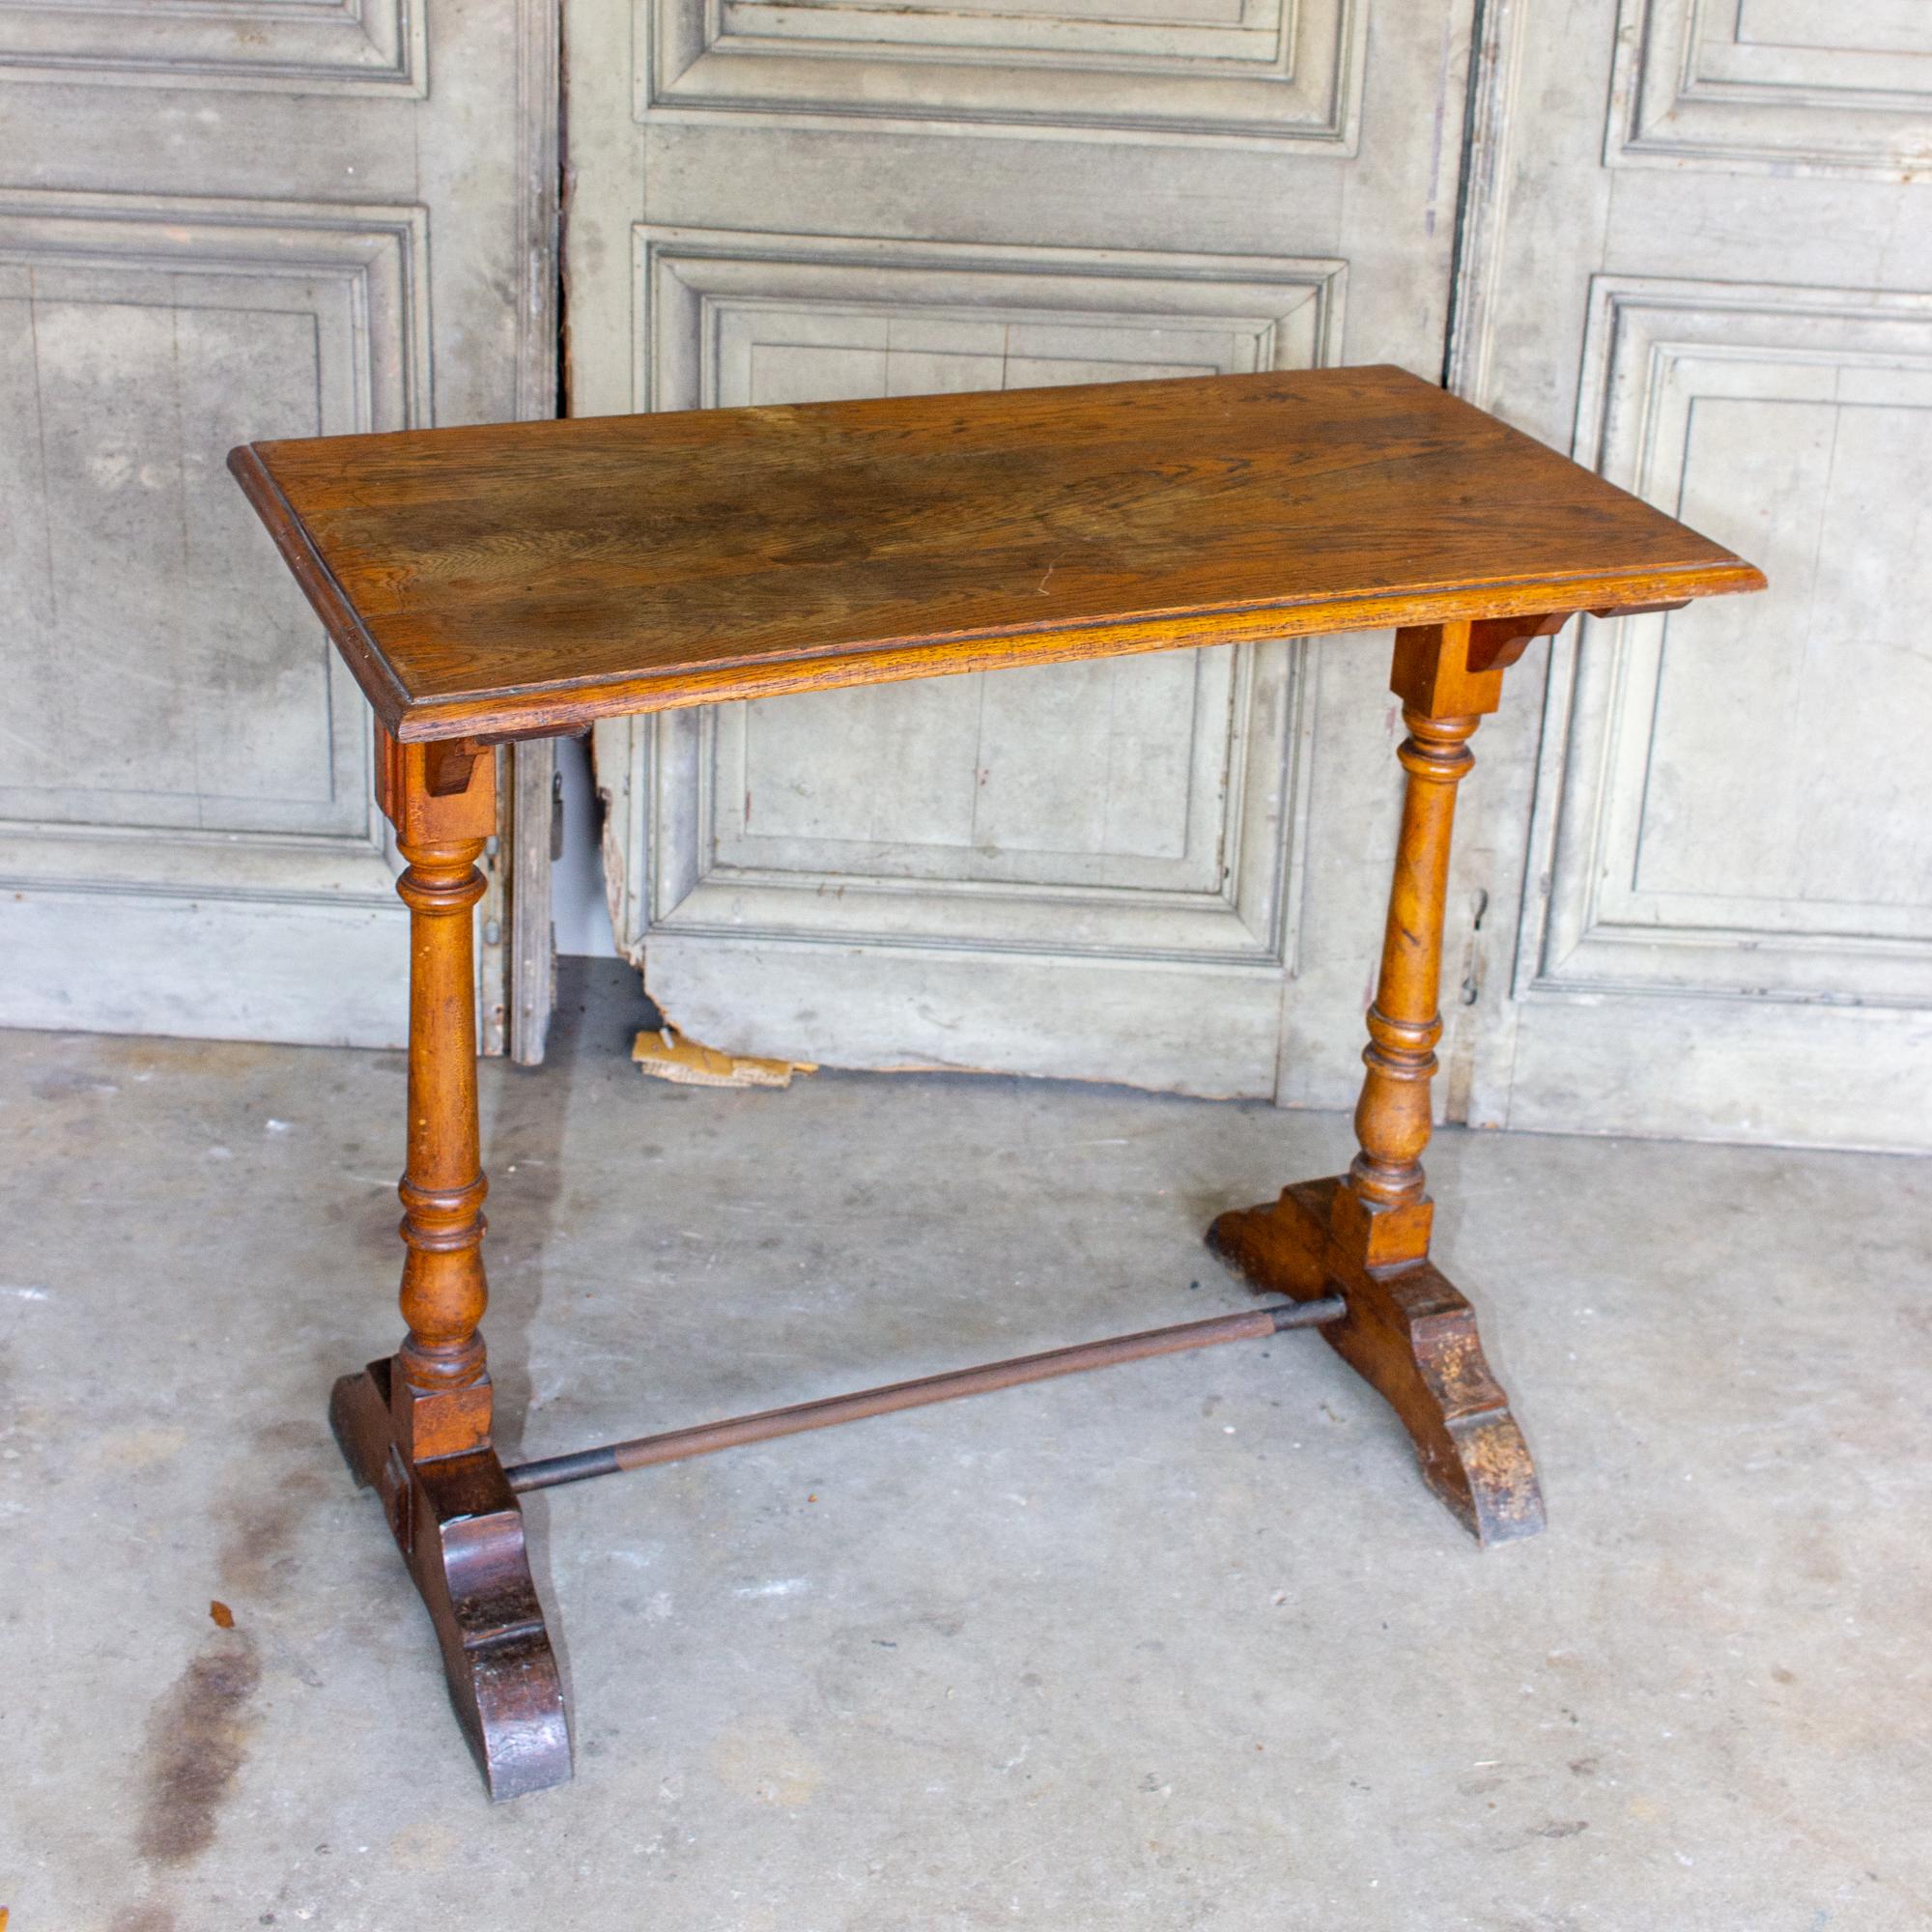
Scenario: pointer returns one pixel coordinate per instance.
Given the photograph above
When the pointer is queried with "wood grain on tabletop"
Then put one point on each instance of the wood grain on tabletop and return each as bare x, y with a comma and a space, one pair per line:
531, 576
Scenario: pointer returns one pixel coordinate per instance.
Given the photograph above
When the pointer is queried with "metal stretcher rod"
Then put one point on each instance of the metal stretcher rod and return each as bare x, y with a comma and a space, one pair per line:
676, 1443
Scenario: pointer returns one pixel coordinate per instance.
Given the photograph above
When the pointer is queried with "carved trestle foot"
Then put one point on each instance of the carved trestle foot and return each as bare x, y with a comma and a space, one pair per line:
1410, 1335
461, 1533
1365, 1234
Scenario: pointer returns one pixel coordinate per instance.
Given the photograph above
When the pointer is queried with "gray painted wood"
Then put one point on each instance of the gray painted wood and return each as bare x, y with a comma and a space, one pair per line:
1715, 291
215, 236
1099, 871
532, 934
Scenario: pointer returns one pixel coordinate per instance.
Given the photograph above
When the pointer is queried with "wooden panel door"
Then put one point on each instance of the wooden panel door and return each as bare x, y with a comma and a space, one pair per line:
216, 225
1701, 256
1099, 871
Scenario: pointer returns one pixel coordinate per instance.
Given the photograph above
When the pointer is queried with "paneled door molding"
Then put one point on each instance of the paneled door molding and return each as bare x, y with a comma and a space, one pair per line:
958, 314
326, 46
240, 771
1796, 86
1739, 403
1713, 289
1489, 163
743, 854
1278, 73
1103, 872
186, 833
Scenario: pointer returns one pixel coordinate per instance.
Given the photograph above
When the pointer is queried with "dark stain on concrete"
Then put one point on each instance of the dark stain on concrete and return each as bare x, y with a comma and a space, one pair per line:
197, 1738
262, 1524
296, 1435
67, 1083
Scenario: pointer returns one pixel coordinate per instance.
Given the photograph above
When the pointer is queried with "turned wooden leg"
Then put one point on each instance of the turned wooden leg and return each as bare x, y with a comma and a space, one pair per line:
1365, 1234
416, 1427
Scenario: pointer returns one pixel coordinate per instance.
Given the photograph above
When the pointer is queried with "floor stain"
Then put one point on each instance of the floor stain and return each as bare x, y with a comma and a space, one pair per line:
262, 1524
426, 1846
299, 1435
66, 1081
122, 1451
196, 1741
143, 1918
766, 1765
222, 1062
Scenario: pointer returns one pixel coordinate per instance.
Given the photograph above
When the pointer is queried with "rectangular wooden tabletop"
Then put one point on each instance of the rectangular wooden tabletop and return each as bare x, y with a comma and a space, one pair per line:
529, 578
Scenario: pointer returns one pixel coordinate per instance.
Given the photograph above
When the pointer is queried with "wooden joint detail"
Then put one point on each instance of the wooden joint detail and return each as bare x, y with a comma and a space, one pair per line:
439, 793
1376, 1236
1455, 670
432, 1423
1498, 643
448, 764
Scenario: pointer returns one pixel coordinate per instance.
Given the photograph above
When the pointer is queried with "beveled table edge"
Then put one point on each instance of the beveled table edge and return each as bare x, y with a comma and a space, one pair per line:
562, 708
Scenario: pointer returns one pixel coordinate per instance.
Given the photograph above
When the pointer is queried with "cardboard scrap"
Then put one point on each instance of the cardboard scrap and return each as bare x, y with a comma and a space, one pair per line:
666, 1054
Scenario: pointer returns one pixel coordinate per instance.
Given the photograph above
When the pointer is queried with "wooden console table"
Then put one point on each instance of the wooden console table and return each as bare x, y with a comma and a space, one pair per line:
520, 581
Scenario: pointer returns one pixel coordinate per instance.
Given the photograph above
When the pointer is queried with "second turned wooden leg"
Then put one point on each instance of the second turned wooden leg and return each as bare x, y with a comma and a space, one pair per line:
417, 1427
1365, 1234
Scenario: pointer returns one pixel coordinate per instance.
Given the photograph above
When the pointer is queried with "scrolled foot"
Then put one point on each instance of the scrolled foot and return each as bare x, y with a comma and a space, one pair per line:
1412, 1337
461, 1531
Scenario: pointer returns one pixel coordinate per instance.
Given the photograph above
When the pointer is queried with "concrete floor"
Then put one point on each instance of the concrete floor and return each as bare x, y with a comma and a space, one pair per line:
1185, 1644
